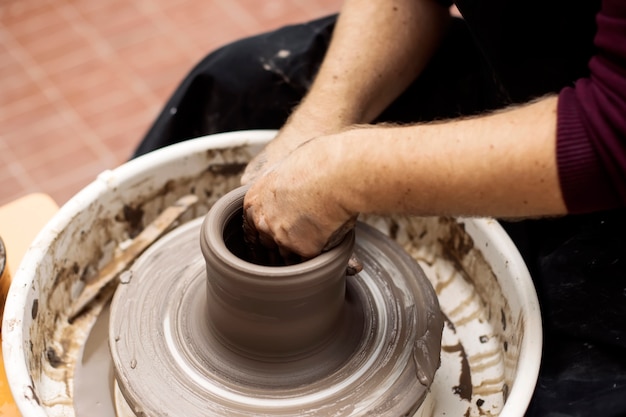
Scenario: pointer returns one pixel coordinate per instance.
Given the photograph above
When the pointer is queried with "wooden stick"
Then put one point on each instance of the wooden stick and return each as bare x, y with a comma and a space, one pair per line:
124, 259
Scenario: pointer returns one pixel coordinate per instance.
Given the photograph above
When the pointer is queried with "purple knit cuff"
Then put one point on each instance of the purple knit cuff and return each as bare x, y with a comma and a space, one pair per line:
584, 182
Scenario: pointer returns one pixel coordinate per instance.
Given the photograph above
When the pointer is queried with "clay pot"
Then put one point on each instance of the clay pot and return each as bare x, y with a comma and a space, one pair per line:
266, 311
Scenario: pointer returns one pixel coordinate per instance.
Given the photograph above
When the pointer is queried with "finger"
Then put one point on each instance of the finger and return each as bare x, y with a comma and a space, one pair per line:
337, 236
248, 226
267, 241
263, 231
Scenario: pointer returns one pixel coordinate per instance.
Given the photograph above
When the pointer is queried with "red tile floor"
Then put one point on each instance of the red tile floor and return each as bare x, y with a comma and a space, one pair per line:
82, 80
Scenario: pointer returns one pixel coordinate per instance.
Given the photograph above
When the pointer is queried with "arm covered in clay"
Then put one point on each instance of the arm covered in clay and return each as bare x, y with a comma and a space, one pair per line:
502, 164
378, 48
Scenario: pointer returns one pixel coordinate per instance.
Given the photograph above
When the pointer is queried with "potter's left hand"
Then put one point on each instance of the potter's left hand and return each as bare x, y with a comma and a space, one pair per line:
299, 203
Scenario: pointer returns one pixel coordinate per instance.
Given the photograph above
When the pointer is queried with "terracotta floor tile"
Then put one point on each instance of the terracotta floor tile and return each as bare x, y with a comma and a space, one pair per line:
36, 115
9, 186
10, 69
61, 164
26, 15
121, 15
273, 14
122, 34
123, 142
147, 56
34, 146
111, 119
188, 12
66, 185
19, 95
50, 45
82, 81
324, 6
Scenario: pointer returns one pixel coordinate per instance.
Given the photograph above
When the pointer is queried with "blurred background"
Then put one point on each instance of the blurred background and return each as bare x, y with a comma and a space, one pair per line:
82, 80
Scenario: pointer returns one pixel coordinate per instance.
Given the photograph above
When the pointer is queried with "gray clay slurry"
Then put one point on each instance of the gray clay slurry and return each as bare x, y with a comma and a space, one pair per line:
376, 353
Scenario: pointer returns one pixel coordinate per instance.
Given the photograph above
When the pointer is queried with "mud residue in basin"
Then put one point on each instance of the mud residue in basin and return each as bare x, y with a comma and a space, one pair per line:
34, 308
457, 244
53, 358
464, 389
228, 169
474, 303
134, 217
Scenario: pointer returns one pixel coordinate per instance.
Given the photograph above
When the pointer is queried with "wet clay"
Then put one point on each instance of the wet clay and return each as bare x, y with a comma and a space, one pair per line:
338, 345
268, 312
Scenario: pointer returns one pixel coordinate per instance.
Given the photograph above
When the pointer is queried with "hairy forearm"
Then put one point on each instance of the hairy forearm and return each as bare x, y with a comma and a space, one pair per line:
502, 165
378, 48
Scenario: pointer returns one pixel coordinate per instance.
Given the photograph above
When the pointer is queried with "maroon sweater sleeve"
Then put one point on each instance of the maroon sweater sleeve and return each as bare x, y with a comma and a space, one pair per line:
591, 125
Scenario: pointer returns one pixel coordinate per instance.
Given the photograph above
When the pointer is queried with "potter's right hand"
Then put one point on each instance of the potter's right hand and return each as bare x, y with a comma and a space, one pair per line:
298, 204
305, 123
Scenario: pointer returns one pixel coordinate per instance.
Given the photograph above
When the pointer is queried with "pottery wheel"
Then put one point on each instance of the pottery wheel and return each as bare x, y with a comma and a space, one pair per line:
168, 362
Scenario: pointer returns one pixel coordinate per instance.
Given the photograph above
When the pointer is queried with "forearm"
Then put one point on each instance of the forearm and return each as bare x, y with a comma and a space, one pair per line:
501, 165
378, 48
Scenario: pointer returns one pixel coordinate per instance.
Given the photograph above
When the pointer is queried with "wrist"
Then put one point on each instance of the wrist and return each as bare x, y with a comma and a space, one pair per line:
349, 169
326, 113
373, 180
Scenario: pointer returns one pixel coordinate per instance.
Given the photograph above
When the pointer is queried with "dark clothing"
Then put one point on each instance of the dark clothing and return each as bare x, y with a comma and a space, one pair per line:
591, 143
493, 58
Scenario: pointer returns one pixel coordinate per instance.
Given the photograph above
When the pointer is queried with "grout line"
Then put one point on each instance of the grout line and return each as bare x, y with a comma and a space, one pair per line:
21, 106
87, 173
317, 11
307, 8
67, 61
166, 27
54, 95
240, 15
105, 51
33, 23
16, 169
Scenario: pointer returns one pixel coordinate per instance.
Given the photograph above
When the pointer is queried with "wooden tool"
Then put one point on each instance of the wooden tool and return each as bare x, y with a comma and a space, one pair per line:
124, 259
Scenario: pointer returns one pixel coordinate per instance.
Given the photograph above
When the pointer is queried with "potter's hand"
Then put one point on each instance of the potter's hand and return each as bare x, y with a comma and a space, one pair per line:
288, 139
298, 203
342, 93
303, 125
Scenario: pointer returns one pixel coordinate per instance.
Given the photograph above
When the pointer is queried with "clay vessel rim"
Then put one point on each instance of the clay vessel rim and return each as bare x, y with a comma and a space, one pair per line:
213, 245
297, 271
